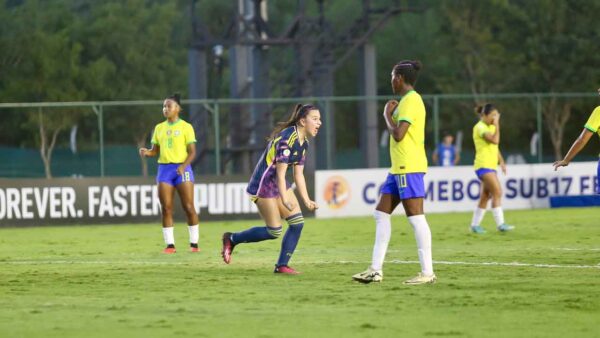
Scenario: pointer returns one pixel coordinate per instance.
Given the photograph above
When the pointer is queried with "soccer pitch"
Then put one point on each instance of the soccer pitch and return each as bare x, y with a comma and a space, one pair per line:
542, 280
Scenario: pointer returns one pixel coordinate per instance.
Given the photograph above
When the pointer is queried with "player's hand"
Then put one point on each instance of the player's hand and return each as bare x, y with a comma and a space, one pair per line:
496, 119
289, 205
389, 107
143, 151
311, 205
181, 170
561, 163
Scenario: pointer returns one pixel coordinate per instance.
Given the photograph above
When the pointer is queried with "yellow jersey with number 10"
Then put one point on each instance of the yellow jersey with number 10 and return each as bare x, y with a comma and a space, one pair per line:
173, 138
408, 156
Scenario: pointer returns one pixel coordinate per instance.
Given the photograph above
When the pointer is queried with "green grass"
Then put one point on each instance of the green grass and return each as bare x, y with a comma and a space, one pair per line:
112, 281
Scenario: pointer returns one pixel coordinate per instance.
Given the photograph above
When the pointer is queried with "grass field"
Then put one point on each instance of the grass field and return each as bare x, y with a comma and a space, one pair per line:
543, 280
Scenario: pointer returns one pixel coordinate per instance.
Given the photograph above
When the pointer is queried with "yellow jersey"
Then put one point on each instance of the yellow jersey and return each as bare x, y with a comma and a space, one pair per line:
408, 156
486, 153
593, 123
173, 138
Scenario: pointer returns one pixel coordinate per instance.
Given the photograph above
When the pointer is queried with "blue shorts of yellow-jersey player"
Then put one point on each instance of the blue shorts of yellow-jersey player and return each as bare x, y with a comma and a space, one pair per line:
167, 173
405, 186
482, 171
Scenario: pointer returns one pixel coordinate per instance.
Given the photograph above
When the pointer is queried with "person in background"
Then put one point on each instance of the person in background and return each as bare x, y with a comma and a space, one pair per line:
446, 154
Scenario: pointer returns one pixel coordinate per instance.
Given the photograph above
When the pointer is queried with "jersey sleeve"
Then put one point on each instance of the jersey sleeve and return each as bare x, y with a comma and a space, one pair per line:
283, 150
190, 135
593, 123
408, 111
154, 136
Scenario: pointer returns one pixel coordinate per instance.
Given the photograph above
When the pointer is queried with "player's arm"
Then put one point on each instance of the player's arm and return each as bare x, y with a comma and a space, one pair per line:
191, 155
301, 185
501, 162
280, 170
397, 130
579, 143
145, 152
495, 137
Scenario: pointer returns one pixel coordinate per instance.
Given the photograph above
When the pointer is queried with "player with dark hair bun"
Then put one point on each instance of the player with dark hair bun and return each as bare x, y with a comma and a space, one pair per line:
405, 121
486, 136
174, 141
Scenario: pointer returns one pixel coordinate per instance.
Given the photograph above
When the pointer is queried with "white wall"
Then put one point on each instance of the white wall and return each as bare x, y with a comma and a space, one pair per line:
454, 189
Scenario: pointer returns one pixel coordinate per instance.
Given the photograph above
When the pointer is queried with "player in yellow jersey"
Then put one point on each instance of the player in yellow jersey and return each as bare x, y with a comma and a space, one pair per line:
486, 136
592, 126
405, 122
175, 143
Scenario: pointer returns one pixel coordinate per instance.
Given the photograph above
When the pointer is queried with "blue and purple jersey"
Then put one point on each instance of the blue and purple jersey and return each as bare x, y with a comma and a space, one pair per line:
284, 148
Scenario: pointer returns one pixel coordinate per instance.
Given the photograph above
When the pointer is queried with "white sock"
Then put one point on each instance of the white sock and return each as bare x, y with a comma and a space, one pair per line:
423, 237
498, 215
477, 217
168, 235
194, 233
383, 232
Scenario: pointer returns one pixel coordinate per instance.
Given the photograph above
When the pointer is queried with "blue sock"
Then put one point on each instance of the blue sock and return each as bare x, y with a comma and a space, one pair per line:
291, 238
255, 234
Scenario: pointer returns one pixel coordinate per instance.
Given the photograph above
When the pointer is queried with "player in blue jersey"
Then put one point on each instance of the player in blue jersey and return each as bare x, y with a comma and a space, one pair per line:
174, 141
446, 154
273, 196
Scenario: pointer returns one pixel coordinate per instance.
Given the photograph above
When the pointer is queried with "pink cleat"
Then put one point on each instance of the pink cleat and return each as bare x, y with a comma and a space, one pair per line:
284, 269
169, 250
227, 247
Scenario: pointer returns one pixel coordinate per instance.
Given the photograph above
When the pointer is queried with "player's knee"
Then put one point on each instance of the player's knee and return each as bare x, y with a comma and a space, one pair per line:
166, 209
274, 232
189, 208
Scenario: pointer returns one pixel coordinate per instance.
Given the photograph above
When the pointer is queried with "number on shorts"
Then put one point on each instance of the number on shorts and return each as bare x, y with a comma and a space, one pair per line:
186, 176
402, 179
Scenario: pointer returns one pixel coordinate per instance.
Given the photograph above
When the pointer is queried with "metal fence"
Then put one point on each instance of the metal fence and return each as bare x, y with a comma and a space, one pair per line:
101, 138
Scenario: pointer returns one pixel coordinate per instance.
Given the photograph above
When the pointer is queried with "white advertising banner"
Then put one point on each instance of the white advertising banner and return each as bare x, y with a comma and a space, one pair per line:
342, 193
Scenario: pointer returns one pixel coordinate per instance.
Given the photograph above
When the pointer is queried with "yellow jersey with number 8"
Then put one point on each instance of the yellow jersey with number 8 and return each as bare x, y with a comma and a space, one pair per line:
173, 138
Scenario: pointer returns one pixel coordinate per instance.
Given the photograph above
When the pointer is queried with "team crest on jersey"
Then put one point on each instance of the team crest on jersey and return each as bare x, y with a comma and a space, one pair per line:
177, 132
286, 152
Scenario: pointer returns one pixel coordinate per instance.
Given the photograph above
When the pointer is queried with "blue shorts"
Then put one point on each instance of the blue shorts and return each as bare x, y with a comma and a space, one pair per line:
167, 173
404, 186
482, 171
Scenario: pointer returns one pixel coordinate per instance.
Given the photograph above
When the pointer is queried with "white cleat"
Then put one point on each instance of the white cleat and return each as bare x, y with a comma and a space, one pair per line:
421, 279
369, 276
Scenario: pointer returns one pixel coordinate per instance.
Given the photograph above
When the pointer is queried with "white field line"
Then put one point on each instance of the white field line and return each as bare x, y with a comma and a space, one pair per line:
503, 264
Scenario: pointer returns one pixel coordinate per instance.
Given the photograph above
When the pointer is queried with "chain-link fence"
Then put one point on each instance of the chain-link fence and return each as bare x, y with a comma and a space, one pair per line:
101, 138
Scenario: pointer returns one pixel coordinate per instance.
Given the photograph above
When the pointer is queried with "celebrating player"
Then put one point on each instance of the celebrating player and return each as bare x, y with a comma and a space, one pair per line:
174, 141
486, 136
406, 124
591, 127
272, 194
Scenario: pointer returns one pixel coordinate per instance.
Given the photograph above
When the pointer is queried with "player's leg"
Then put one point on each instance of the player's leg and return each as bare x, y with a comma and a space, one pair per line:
388, 201
492, 184
412, 200
165, 196
186, 195
479, 212
267, 207
290, 240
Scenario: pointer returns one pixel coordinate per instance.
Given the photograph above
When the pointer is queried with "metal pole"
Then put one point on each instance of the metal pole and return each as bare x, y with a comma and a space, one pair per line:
538, 108
99, 111
436, 120
216, 125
